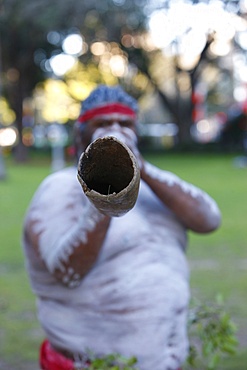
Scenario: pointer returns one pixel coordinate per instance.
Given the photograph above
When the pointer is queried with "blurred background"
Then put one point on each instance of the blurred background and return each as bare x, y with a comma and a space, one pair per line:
186, 64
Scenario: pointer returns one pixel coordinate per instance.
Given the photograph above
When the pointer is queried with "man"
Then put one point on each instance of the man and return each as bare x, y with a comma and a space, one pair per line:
113, 284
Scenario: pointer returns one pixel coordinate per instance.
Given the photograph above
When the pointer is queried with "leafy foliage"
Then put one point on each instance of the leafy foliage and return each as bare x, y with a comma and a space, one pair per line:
212, 334
112, 362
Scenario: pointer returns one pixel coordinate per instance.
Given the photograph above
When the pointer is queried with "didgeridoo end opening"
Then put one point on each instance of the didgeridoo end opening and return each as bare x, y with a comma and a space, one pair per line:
109, 175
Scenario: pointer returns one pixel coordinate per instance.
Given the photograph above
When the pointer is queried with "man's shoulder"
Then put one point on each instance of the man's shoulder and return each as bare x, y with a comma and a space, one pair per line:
67, 174
58, 184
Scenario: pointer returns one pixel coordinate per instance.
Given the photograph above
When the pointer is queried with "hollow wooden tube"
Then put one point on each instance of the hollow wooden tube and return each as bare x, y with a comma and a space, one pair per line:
109, 175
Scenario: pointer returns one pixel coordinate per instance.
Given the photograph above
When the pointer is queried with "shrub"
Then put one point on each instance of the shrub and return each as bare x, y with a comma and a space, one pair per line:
212, 335
111, 362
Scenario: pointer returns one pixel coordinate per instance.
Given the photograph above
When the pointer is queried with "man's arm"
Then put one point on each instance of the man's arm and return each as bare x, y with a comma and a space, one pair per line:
66, 230
195, 209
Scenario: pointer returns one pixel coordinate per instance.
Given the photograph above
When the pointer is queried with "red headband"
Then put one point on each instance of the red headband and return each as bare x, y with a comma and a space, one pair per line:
107, 109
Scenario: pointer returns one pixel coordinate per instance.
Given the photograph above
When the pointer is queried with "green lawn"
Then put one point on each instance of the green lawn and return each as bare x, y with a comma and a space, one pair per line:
218, 260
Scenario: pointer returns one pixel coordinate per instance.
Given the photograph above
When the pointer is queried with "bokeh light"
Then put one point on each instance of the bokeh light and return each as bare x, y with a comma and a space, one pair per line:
73, 44
206, 130
62, 63
7, 115
184, 27
8, 136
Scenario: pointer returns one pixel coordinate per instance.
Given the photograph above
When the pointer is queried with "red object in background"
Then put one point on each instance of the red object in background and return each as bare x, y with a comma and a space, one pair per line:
71, 151
244, 107
197, 98
198, 101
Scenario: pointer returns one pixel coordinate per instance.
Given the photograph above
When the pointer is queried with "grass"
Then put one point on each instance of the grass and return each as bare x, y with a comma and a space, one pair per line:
20, 334
218, 261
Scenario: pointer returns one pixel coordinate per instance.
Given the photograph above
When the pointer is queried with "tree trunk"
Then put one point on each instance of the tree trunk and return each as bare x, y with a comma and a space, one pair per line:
185, 120
16, 97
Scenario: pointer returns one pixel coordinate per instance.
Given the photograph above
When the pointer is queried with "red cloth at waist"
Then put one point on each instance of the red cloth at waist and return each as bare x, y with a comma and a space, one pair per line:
49, 359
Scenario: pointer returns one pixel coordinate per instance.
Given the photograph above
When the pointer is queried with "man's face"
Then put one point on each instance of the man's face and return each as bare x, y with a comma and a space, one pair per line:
120, 126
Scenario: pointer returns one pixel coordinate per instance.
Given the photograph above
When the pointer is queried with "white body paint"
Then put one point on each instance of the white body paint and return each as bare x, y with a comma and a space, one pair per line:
124, 134
171, 180
134, 299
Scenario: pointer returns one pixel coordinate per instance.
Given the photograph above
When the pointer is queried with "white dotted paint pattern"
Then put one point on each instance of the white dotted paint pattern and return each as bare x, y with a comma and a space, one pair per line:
71, 279
170, 179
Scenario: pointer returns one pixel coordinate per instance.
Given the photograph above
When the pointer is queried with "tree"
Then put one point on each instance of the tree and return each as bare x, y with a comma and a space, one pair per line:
24, 25
193, 36
123, 28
